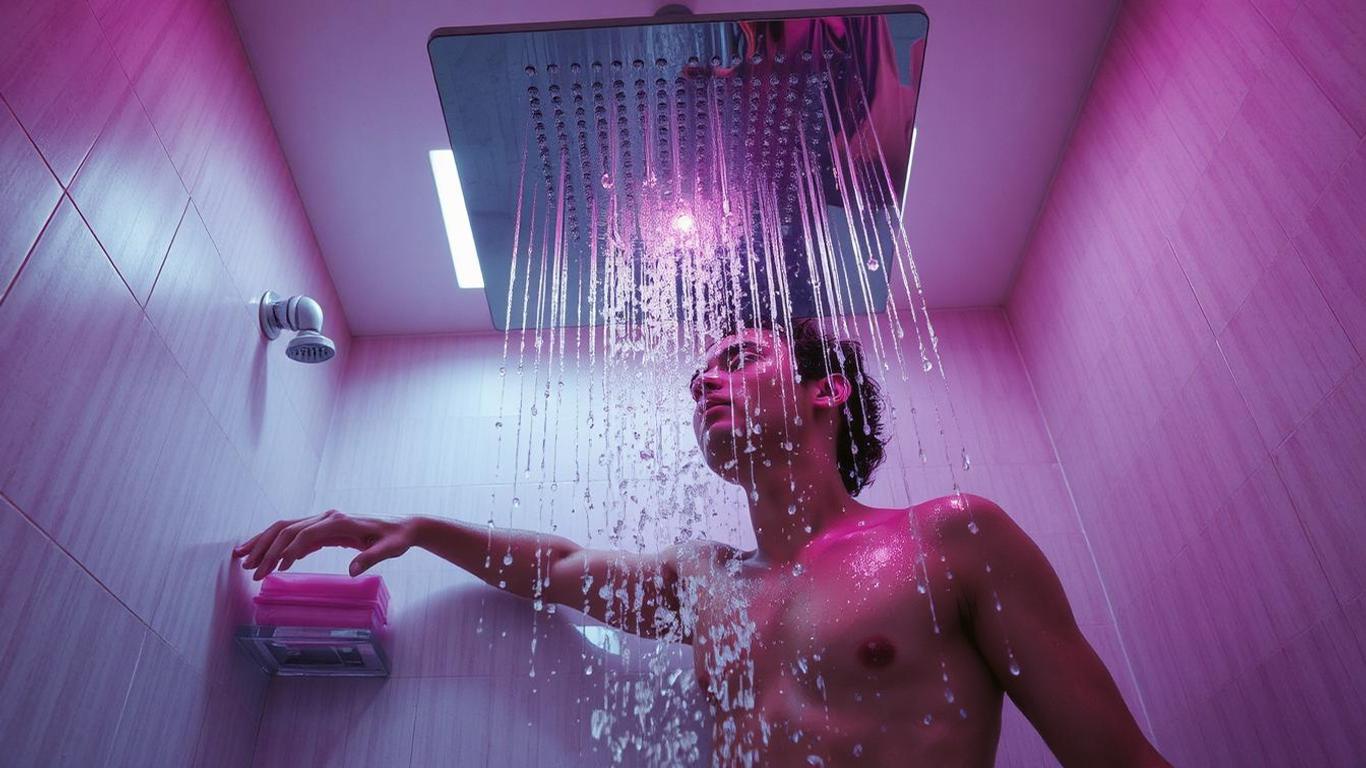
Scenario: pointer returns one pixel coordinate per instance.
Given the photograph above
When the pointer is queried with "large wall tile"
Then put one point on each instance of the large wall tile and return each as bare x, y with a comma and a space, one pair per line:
1333, 246
131, 196
1280, 152
162, 714
1287, 139
1285, 348
227, 734
338, 722
1321, 464
52, 712
1218, 52
1306, 699
137, 28
1329, 38
28, 194
59, 75
188, 70
1259, 571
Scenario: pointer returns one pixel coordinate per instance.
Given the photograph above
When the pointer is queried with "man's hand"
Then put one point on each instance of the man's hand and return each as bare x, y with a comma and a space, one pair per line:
288, 540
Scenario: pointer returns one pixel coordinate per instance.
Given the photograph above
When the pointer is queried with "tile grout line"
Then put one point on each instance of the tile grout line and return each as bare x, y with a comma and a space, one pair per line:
28, 256
75, 560
127, 696
165, 257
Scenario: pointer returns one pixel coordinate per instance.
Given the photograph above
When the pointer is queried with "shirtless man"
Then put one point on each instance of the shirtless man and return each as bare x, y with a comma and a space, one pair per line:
856, 635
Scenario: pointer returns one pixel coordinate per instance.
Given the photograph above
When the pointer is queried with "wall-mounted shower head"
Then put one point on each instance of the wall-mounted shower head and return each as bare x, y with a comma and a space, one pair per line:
297, 313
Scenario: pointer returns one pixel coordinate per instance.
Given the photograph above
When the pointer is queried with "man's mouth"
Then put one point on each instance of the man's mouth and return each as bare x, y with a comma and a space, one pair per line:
714, 408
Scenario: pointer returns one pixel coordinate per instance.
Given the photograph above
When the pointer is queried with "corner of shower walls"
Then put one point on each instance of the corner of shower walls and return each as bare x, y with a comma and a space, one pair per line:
1145, 719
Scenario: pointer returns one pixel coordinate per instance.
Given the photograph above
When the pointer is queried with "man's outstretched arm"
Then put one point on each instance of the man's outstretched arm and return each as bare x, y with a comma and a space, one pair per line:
1062, 686
632, 592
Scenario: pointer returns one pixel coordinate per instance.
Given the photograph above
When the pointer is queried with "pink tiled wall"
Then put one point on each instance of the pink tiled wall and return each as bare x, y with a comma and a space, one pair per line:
144, 426
415, 433
1192, 311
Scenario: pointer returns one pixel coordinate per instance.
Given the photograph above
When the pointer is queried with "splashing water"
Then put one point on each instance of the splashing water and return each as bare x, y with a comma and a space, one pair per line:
655, 211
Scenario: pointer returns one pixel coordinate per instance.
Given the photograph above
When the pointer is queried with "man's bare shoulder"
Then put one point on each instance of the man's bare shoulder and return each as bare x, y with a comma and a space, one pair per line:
957, 510
960, 520
972, 527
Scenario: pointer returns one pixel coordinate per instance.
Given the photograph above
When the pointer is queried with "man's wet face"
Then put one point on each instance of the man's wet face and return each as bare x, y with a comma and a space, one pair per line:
744, 396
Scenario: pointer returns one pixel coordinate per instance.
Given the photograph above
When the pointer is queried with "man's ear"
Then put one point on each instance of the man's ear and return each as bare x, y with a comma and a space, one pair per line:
833, 391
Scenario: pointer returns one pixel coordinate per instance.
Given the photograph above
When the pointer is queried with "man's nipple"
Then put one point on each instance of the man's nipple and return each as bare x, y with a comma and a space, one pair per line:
876, 651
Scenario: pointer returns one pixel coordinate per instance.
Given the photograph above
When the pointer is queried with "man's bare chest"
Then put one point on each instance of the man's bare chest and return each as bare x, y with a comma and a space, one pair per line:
852, 615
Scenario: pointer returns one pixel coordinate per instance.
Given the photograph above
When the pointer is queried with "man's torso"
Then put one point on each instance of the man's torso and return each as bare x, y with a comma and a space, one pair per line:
855, 654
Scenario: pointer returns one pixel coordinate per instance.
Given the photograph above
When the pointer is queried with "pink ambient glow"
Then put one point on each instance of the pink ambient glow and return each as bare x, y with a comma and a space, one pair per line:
684, 222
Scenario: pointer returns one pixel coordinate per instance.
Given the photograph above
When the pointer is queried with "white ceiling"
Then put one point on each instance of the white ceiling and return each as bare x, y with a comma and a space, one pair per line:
350, 89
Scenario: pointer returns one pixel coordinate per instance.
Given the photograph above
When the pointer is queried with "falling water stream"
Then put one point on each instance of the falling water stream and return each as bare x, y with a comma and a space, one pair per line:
660, 203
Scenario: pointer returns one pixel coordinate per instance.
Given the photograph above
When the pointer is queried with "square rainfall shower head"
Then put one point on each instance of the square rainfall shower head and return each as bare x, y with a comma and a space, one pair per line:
730, 160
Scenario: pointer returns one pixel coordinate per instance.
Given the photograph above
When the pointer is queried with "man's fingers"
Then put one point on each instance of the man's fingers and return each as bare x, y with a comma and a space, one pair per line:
310, 539
263, 541
245, 546
282, 540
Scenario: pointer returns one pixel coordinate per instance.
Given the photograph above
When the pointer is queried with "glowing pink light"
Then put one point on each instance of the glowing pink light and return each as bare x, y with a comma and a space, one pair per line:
684, 222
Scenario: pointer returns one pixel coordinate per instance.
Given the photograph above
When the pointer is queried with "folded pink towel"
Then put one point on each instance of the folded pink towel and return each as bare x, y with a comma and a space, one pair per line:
322, 600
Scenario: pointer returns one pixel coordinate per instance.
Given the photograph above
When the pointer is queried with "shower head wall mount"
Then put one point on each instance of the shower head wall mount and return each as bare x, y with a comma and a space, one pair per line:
297, 313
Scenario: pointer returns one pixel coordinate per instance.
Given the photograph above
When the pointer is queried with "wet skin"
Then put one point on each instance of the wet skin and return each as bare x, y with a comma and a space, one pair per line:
819, 647
871, 637
846, 663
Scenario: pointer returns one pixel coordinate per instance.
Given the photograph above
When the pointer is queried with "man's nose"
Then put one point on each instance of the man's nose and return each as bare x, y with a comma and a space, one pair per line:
707, 382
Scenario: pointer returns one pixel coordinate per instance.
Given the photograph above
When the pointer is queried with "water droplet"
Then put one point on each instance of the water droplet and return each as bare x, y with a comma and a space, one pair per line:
502, 584
927, 366
948, 695
507, 559
815, 760
537, 604
599, 722
972, 526
792, 509
873, 265
530, 70
516, 502
963, 713
606, 181
927, 719
797, 569
967, 463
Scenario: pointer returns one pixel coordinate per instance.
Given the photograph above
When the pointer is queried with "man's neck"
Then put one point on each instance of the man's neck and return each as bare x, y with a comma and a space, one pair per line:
796, 501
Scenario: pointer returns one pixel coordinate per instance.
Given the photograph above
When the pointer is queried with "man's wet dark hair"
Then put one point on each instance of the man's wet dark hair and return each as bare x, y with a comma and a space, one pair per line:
861, 442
